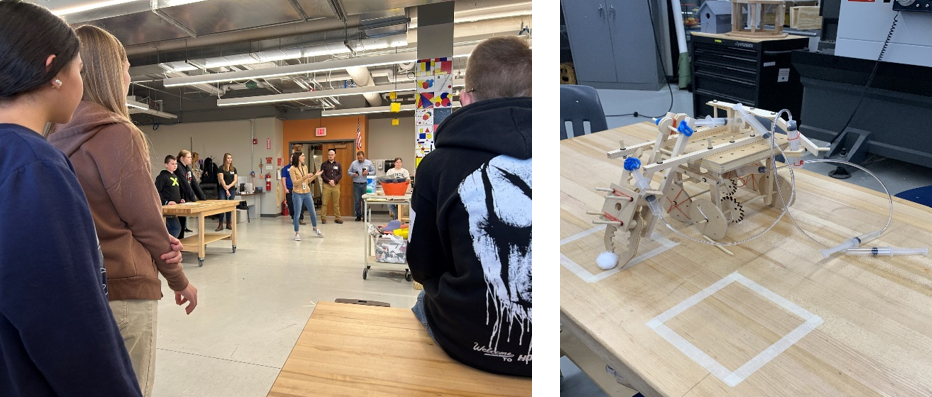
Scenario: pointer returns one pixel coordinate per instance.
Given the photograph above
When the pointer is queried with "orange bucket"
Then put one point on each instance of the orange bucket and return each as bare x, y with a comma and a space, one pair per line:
395, 189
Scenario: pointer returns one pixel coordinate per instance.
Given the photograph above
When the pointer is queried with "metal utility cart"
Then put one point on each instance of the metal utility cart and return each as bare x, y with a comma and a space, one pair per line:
369, 200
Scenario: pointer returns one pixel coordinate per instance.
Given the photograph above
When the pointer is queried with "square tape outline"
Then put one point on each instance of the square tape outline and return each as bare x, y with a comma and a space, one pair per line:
730, 378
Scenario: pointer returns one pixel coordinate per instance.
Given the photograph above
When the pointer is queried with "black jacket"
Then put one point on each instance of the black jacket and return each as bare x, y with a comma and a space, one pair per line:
190, 189
470, 244
169, 187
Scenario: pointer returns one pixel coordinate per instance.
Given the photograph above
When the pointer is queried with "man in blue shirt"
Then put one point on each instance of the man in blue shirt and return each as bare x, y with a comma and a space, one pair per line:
359, 170
287, 186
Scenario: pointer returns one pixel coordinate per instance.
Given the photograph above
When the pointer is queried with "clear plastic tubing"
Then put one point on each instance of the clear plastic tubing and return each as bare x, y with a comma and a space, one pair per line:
708, 121
887, 251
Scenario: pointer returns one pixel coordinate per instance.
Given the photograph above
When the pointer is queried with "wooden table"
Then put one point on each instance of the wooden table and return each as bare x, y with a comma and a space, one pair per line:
355, 350
776, 319
200, 209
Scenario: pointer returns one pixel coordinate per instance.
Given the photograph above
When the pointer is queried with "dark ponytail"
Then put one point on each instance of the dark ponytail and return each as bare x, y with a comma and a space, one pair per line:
28, 35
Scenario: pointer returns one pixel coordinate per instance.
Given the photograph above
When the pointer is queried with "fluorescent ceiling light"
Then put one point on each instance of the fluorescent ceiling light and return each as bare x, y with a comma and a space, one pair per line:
135, 104
370, 110
298, 96
136, 107
89, 6
177, 66
338, 64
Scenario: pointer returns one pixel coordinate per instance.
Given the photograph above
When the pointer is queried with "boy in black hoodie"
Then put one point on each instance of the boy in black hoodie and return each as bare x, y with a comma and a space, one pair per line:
470, 244
169, 188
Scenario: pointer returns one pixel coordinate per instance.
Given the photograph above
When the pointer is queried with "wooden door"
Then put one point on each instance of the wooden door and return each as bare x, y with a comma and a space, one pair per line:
345, 156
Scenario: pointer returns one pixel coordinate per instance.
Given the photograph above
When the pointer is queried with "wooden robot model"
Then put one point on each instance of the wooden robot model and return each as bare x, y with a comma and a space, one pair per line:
717, 156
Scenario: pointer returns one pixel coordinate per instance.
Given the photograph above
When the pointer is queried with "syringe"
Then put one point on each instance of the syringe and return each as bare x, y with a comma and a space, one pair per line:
887, 251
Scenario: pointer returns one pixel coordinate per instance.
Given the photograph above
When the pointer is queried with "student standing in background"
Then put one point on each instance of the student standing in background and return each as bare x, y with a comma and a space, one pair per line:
227, 180
57, 334
190, 188
169, 188
287, 185
302, 181
111, 159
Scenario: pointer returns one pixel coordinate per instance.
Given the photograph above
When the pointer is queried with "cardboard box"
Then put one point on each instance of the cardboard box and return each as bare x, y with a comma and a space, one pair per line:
391, 249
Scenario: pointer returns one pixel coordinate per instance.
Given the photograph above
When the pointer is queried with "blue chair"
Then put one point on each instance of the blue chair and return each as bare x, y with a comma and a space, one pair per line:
578, 104
919, 195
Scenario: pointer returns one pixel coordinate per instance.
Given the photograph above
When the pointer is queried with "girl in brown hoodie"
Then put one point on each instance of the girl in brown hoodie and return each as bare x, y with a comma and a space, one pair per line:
111, 159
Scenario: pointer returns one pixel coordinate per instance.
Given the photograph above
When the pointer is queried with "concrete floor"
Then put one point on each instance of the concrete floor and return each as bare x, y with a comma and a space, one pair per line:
896, 175
253, 304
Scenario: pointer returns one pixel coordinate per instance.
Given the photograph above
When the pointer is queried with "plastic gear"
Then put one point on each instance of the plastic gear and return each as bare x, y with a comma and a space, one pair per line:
732, 209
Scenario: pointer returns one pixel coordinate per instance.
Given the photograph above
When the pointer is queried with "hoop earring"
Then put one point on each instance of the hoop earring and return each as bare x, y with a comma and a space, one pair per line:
56, 83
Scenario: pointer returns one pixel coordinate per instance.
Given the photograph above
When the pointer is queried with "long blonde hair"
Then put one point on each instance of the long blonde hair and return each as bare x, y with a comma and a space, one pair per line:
104, 58
223, 165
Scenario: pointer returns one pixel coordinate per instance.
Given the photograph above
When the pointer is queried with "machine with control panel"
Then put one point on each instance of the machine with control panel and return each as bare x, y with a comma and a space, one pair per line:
863, 27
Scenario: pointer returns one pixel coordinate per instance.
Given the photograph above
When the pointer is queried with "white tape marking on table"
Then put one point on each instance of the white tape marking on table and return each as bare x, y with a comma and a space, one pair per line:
584, 274
732, 379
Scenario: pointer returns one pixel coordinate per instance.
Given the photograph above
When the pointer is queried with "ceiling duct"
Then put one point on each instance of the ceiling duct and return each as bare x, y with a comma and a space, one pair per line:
363, 78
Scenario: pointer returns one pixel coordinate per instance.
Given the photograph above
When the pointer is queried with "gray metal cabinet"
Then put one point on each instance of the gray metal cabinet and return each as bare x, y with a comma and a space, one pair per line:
613, 44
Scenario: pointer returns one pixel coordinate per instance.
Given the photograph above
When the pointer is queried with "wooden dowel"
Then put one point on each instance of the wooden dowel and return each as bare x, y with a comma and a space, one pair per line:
719, 246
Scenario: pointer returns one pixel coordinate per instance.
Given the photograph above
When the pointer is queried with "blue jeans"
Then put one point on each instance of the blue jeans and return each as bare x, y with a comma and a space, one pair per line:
174, 226
418, 310
359, 189
223, 196
301, 201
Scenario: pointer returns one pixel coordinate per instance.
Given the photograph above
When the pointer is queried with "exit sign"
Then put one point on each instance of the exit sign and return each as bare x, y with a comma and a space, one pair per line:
322, 131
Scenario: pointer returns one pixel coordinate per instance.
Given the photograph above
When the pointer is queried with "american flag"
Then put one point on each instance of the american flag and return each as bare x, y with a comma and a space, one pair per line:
358, 136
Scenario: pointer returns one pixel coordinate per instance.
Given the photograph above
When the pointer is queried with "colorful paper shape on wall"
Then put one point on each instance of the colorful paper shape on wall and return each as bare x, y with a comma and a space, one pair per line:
443, 100
441, 114
424, 117
425, 67
395, 107
426, 84
425, 100
442, 66
443, 83
417, 162
427, 129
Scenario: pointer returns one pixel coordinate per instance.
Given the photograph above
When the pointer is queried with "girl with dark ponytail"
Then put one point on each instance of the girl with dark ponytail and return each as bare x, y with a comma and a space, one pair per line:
56, 328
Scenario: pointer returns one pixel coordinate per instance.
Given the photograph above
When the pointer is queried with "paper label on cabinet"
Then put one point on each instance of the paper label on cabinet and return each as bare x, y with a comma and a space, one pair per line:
766, 64
784, 75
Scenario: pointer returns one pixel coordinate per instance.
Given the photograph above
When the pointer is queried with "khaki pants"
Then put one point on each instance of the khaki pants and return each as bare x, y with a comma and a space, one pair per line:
327, 192
137, 320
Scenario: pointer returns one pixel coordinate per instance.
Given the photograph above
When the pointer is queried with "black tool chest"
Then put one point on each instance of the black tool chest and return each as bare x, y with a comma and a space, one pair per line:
754, 72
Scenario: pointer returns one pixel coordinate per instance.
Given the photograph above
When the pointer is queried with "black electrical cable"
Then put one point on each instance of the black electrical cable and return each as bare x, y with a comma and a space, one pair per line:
870, 79
660, 60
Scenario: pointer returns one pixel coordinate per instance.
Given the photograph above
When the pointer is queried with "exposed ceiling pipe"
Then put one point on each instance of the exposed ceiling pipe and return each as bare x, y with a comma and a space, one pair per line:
253, 34
363, 78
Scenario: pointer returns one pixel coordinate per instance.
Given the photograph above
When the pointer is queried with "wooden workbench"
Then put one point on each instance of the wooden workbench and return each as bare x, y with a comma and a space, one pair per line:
779, 319
355, 350
200, 209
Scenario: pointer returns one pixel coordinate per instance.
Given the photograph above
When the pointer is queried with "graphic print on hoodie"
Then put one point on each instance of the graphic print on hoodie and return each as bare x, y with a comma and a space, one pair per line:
470, 236
497, 197
169, 188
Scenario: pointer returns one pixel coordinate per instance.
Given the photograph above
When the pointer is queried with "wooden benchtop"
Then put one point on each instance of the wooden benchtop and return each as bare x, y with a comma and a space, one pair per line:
842, 326
198, 206
355, 350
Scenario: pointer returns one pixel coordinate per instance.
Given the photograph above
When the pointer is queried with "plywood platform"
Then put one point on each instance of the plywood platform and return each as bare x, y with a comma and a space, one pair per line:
775, 319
